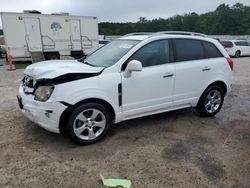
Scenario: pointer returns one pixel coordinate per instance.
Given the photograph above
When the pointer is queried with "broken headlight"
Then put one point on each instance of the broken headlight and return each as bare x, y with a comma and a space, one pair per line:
43, 92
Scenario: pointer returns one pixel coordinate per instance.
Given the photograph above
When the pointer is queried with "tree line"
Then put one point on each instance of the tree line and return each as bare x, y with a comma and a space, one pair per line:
225, 20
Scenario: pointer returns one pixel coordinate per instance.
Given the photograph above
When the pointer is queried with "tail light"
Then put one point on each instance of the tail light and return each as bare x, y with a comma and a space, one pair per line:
230, 62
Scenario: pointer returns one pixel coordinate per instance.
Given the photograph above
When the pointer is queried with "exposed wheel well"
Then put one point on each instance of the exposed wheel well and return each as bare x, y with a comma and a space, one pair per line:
65, 115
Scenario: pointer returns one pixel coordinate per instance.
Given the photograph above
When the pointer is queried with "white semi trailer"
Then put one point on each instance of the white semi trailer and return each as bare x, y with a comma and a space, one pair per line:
42, 36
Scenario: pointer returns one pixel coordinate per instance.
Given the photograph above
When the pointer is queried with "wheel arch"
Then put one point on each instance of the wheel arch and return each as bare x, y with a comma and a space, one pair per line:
219, 83
238, 50
66, 113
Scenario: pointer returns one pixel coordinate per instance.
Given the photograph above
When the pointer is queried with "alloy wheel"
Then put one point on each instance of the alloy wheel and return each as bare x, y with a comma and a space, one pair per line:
213, 101
89, 124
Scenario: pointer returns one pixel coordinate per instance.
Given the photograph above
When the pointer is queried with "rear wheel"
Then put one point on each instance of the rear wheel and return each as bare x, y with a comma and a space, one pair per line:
210, 102
88, 123
237, 54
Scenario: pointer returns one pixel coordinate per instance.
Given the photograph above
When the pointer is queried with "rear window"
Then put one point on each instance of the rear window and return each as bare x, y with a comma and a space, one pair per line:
211, 50
226, 44
188, 49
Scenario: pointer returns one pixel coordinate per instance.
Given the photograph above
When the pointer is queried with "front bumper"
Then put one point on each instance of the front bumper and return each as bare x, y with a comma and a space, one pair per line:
45, 114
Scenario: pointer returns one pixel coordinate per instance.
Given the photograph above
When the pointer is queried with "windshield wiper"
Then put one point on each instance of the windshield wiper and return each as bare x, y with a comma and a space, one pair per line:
85, 62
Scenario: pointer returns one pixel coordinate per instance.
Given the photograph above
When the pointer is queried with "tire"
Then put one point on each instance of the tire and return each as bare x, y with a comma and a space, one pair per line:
88, 123
237, 54
52, 56
210, 102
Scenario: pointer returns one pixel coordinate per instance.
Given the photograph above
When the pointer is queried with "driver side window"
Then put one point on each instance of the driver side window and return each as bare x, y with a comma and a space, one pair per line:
154, 53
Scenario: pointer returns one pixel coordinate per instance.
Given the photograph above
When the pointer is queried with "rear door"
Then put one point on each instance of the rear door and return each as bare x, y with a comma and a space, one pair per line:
197, 62
192, 71
245, 47
33, 34
75, 35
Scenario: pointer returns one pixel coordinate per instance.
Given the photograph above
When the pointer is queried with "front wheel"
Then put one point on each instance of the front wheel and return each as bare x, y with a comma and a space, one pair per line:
237, 54
88, 123
210, 102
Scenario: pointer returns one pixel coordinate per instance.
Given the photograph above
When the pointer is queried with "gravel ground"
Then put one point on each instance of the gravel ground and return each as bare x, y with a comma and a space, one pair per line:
175, 149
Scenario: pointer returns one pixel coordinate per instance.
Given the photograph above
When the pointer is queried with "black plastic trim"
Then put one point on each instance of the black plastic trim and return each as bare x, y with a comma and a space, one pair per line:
65, 103
120, 94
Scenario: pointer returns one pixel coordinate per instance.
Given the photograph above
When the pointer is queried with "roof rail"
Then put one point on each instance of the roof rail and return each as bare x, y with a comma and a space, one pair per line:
138, 33
179, 33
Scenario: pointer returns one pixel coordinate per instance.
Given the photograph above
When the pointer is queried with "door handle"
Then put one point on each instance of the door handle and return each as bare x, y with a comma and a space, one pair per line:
167, 75
206, 69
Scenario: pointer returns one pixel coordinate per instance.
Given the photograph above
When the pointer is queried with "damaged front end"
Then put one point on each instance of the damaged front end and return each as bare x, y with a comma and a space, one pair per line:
43, 88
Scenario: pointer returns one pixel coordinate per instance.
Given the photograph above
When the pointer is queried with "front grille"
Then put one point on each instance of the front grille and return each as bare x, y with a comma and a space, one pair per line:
28, 81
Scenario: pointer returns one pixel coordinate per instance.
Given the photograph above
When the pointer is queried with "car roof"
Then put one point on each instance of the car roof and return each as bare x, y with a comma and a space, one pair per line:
145, 35
234, 40
164, 36
135, 37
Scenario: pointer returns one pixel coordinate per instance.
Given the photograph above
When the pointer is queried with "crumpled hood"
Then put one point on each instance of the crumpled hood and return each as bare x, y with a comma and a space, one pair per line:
54, 68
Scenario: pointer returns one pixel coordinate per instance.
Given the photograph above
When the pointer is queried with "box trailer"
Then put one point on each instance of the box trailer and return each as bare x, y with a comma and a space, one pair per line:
42, 36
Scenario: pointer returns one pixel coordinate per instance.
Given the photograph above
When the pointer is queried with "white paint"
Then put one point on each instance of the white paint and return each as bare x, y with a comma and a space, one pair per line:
144, 92
25, 33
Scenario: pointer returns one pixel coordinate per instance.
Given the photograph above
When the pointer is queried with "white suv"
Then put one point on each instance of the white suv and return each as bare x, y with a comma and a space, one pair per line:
237, 48
131, 77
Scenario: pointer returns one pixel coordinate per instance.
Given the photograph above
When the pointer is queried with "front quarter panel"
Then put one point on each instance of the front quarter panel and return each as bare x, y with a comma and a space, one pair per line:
104, 86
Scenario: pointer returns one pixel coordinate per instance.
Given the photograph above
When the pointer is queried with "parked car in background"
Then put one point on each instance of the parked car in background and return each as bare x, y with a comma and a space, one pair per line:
3, 51
237, 48
130, 77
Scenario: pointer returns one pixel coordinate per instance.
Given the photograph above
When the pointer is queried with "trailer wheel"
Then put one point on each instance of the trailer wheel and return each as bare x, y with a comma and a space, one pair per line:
52, 56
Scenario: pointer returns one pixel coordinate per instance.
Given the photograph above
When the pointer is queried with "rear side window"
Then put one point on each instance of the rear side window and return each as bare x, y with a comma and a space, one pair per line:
188, 49
227, 44
211, 50
241, 43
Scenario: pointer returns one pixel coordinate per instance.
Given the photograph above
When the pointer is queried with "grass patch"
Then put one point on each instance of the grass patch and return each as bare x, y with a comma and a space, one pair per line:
21, 65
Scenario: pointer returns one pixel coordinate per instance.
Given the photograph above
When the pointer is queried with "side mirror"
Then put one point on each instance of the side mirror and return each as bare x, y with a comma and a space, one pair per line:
132, 66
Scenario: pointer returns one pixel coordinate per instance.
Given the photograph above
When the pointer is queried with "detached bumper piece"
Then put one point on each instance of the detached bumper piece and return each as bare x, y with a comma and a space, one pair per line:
19, 99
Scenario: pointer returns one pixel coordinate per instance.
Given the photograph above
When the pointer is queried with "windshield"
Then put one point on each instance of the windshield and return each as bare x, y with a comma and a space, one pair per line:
109, 54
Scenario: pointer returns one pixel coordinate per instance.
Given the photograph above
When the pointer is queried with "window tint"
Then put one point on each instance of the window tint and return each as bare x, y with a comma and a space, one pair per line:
155, 53
241, 43
227, 44
211, 50
188, 49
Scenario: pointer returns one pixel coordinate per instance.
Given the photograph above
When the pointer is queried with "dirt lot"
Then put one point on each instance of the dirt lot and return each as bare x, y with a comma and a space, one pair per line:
175, 149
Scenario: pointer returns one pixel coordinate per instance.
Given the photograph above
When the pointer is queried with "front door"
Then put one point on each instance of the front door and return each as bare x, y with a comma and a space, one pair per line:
150, 90
33, 34
75, 35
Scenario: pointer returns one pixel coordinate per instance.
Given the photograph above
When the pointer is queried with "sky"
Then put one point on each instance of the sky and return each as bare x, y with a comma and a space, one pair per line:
117, 10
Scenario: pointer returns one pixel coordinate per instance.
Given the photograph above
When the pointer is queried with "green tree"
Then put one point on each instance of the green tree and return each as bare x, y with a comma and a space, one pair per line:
234, 20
